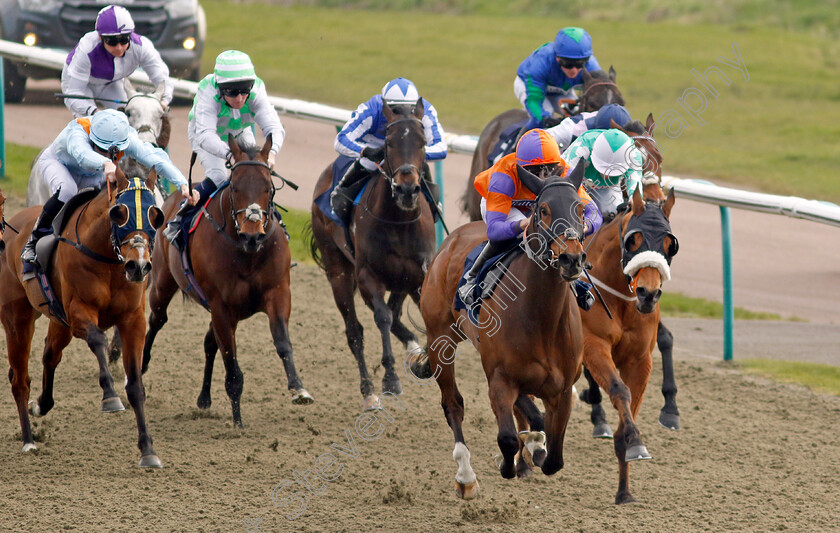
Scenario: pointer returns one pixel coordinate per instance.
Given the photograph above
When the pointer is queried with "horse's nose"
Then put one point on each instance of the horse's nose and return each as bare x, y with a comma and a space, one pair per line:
408, 189
571, 265
647, 300
251, 242
135, 271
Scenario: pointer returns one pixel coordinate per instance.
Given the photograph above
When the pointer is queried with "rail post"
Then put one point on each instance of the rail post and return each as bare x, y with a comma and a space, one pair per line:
439, 234
728, 308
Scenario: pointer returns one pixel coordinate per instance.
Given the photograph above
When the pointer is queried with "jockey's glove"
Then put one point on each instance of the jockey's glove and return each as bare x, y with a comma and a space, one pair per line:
374, 154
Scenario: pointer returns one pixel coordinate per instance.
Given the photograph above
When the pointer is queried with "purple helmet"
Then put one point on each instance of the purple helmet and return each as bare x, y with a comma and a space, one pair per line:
114, 20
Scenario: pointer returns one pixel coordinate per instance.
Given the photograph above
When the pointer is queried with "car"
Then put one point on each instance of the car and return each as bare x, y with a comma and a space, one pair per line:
176, 27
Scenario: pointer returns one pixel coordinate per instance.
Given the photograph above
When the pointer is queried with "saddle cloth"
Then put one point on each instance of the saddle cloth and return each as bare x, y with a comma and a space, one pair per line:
489, 277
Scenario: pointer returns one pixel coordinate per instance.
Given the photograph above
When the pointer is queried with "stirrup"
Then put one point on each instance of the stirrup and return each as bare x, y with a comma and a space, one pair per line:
465, 291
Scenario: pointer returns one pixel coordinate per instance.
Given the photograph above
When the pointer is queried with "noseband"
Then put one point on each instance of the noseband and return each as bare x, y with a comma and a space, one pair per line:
253, 212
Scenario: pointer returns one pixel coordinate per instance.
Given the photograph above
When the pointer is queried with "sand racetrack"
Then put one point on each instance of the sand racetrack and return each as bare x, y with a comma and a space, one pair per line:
752, 456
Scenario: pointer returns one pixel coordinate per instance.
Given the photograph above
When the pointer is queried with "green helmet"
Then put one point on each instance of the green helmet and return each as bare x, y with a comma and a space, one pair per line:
234, 67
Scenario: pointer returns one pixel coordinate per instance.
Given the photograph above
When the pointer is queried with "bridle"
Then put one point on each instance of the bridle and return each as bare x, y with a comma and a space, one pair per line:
569, 233
607, 83
390, 174
147, 127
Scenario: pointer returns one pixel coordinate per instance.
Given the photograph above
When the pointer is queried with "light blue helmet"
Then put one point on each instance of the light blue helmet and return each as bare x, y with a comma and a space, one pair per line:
400, 91
109, 128
573, 43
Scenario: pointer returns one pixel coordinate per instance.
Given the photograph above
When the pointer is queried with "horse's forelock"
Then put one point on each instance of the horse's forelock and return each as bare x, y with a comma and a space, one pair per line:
635, 126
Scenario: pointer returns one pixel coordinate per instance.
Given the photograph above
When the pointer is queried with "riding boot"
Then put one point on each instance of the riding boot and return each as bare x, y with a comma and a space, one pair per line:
172, 232
466, 290
43, 226
584, 298
348, 187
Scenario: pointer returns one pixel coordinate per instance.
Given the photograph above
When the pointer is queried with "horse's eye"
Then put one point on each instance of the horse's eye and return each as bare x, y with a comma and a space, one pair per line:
127, 113
543, 212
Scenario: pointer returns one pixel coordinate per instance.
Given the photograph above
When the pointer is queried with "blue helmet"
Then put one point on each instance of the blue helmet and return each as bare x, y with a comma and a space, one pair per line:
400, 91
573, 43
610, 111
108, 128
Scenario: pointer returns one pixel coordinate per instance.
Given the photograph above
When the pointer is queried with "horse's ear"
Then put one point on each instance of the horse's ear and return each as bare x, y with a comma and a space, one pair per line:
650, 124
638, 202
122, 181
151, 179
388, 112
612, 73
529, 179
669, 203
130, 92
156, 217
418, 109
614, 125
118, 214
234, 148
266, 147
159, 90
587, 76
576, 176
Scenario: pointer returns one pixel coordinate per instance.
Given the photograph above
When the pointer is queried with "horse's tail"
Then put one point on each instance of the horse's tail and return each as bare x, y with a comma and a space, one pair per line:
309, 239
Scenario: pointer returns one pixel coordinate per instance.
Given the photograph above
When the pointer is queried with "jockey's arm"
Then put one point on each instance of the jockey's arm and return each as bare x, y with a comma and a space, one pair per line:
592, 218
348, 141
79, 148
156, 69
148, 155
74, 80
206, 118
534, 102
499, 202
268, 119
436, 147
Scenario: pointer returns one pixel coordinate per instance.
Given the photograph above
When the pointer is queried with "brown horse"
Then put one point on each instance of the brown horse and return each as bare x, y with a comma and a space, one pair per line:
240, 260
530, 341
599, 89
99, 281
394, 239
669, 415
2, 221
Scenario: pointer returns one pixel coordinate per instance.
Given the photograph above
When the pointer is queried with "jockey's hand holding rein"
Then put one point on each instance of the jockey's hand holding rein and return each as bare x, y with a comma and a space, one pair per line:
110, 171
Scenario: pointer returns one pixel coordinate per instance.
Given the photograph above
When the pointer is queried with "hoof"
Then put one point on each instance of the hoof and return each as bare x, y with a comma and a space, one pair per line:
467, 491
34, 410
371, 403
302, 397
624, 497
670, 421
392, 387
204, 402
523, 469
636, 453
602, 431
150, 461
112, 405
29, 447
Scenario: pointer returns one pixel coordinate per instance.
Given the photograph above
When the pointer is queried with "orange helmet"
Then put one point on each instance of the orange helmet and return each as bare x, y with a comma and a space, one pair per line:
538, 147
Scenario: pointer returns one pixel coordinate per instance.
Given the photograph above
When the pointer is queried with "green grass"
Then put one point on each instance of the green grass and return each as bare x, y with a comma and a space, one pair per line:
682, 306
817, 377
774, 132
18, 162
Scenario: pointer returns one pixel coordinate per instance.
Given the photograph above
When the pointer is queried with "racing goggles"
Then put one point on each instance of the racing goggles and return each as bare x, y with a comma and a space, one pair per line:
566, 62
114, 40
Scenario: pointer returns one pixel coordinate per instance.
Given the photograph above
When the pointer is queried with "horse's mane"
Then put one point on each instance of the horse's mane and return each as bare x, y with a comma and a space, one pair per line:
635, 126
599, 74
250, 149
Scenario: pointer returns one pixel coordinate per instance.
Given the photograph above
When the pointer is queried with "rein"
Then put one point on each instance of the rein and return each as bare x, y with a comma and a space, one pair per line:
568, 234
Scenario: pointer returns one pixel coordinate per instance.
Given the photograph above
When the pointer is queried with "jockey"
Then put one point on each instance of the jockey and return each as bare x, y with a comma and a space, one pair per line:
104, 57
81, 157
231, 100
616, 164
551, 74
506, 203
573, 127
363, 139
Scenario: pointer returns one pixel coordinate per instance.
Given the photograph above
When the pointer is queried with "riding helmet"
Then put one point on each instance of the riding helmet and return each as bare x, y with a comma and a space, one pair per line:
601, 121
573, 43
613, 153
108, 128
538, 147
114, 20
400, 91
234, 68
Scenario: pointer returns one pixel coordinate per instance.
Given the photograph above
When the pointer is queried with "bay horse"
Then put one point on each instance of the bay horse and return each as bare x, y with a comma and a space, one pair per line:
240, 261
530, 342
2, 221
99, 282
393, 235
669, 415
599, 89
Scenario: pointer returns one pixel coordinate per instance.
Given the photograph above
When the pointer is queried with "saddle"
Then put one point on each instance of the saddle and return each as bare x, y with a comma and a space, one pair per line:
490, 276
45, 248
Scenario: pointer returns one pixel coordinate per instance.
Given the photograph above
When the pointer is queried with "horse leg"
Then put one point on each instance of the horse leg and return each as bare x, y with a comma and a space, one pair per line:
224, 327
278, 310
669, 416
557, 411
19, 322
58, 337
98, 344
131, 331
409, 339
628, 441
529, 416
635, 374
466, 484
210, 349
502, 397
163, 288
373, 293
601, 429
115, 348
